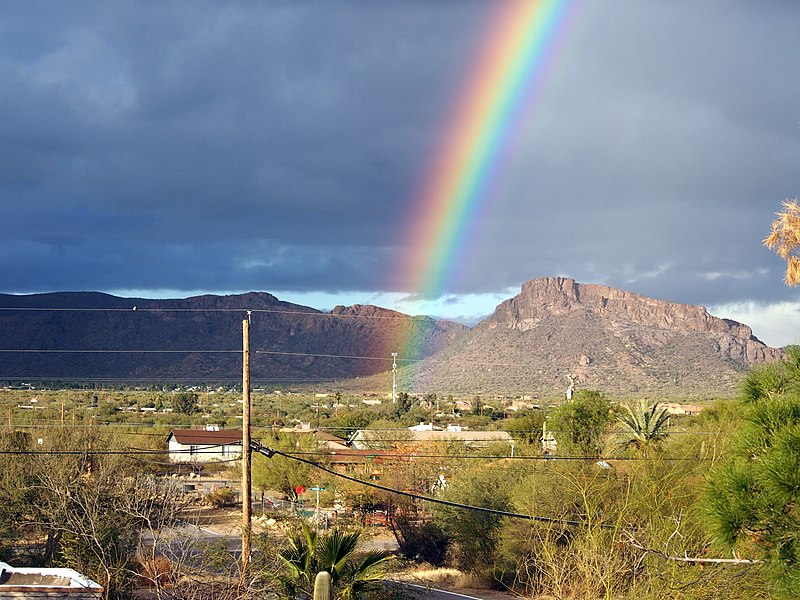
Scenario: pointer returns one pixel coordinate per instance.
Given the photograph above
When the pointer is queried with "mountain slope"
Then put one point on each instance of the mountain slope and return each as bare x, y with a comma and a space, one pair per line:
98, 336
554, 329
604, 338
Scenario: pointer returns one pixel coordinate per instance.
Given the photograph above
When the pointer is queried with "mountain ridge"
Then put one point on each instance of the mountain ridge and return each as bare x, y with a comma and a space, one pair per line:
554, 330
557, 330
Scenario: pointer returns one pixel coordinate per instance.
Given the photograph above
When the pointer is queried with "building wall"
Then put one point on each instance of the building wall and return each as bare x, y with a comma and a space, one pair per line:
202, 453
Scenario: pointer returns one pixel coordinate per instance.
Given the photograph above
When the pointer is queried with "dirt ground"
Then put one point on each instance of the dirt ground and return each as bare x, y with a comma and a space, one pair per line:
220, 521
228, 522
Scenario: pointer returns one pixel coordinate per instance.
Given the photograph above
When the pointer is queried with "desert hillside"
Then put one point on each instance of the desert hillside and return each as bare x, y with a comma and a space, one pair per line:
602, 338
555, 330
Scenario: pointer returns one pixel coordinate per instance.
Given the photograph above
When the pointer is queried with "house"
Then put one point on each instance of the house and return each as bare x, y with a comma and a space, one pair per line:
673, 408
323, 439
426, 427
370, 439
203, 445
359, 462
44, 583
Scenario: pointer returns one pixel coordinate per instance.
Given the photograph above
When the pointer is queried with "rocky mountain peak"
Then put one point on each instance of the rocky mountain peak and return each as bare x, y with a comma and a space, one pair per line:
558, 330
547, 297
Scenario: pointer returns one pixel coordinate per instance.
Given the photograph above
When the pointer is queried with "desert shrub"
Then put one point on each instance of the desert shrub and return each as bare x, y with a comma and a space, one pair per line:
425, 542
582, 422
220, 498
474, 534
525, 428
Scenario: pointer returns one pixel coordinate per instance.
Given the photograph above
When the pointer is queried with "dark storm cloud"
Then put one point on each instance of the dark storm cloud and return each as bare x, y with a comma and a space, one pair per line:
207, 136
279, 146
665, 142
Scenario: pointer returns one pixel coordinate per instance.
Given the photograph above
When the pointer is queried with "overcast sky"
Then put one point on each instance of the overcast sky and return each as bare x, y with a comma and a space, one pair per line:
173, 148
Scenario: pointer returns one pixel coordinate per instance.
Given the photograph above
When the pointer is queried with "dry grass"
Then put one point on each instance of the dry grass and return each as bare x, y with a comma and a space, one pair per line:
430, 575
453, 580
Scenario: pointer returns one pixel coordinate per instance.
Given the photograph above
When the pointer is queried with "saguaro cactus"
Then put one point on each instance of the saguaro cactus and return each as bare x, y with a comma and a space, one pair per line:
322, 586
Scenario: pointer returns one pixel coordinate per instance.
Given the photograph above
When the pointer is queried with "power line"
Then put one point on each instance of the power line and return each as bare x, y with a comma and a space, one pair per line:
192, 351
161, 379
207, 449
111, 351
553, 458
269, 453
139, 309
382, 358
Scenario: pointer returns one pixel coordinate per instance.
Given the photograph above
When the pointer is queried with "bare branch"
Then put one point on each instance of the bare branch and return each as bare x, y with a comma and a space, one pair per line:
689, 559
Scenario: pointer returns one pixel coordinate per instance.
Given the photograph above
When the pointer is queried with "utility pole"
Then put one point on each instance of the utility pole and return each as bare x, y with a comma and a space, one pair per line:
246, 452
394, 377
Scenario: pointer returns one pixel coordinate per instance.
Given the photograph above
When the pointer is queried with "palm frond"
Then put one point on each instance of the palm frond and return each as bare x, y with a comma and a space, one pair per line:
784, 239
643, 423
336, 549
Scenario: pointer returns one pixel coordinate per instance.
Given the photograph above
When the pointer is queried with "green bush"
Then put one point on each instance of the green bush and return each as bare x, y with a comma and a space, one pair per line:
581, 423
424, 542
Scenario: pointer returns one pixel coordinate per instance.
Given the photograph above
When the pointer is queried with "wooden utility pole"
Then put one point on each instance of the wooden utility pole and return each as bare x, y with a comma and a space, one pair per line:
246, 454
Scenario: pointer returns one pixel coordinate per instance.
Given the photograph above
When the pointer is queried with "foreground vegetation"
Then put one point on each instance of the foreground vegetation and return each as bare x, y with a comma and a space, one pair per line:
632, 504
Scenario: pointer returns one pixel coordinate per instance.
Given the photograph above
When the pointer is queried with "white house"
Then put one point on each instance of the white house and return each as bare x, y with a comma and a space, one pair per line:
366, 439
200, 445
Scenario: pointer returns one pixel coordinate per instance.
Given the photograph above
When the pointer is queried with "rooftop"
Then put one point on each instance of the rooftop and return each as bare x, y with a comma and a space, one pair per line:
29, 582
198, 437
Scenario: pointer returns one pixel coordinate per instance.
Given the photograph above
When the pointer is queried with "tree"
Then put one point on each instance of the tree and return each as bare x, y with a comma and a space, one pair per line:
584, 420
644, 425
475, 533
403, 404
185, 403
349, 422
307, 553
283, 474
91, 508
752, 497
774, 378
784, 239
525, 428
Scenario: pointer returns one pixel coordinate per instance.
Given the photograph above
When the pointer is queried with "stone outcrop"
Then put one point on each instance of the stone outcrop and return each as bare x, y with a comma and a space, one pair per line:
547, 297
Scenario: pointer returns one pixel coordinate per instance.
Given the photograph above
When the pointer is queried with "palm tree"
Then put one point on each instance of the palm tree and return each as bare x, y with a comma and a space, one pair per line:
307, 553
784, 239
643, 424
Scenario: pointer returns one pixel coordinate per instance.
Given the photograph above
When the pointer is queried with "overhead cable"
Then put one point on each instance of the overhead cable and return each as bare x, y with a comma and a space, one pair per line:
269, 453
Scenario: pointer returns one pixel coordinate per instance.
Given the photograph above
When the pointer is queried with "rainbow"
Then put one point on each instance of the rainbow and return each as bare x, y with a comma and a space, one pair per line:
500, 91
509, 73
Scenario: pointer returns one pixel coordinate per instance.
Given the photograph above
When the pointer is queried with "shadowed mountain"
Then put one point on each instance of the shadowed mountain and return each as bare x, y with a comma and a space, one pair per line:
553, 330
77, 335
